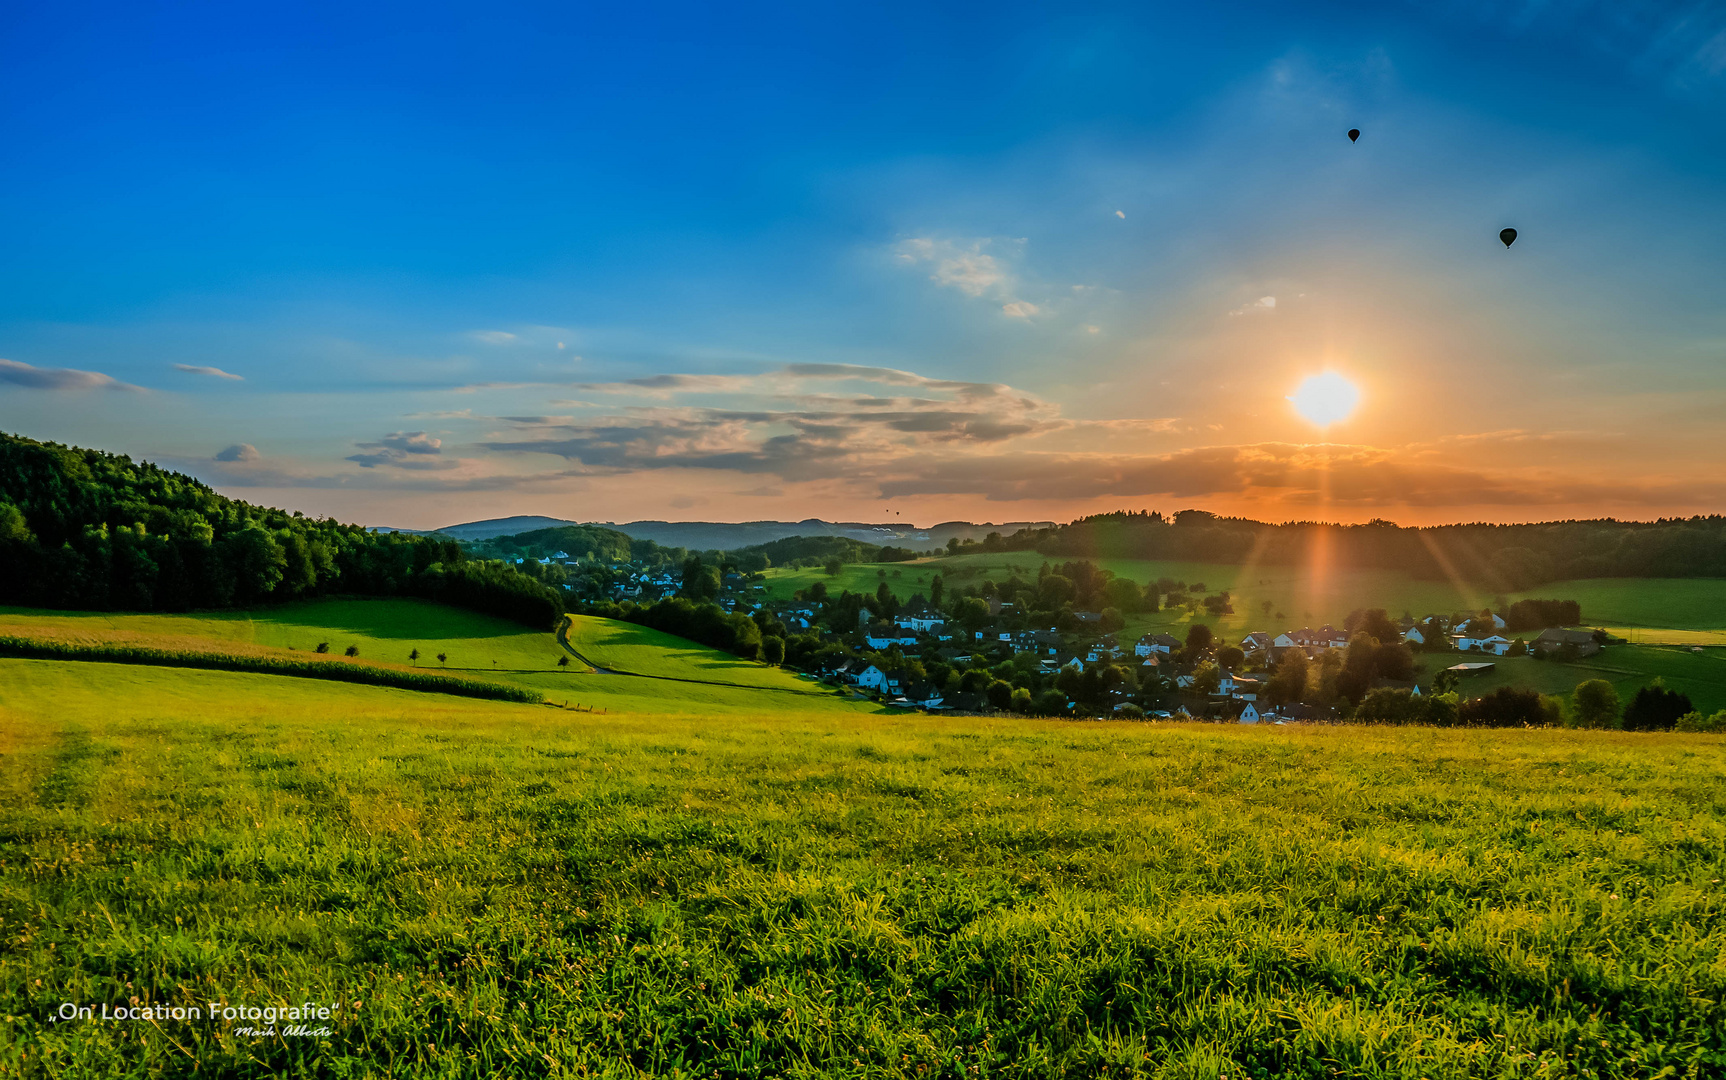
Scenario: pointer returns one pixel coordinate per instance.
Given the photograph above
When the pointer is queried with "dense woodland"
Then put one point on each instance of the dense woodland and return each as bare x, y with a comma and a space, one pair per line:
87, 529
1505, 558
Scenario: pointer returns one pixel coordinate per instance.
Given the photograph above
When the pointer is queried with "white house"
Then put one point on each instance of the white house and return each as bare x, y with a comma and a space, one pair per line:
1495, 644
1249, 715
1156, 643
1256, 642
1414, 636
925, 622
872, 678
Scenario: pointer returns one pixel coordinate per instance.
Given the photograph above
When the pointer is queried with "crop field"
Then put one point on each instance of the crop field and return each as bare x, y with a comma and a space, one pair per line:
387, 631
504, 890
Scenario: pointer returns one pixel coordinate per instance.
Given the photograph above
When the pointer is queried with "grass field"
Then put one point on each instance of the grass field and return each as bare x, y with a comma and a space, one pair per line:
501, 890
1638, 608
387, 630
1626, 667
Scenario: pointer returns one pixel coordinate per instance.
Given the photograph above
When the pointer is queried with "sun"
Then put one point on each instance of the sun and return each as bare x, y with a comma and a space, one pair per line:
1325, 399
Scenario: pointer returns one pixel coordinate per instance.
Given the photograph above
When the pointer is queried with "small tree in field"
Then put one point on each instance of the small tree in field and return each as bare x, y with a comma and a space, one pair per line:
414, 657
563, 661
351, 650
1595, 704
441, 657
323, 647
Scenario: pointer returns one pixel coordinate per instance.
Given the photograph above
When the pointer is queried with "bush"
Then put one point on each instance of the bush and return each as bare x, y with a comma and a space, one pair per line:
35, 649
1021, 700
773, 650
1594, 704
1695, 721
1130, 711
1655, 708
1506, 707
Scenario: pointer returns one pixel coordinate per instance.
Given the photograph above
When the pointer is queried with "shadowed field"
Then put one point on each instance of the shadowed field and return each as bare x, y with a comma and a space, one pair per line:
505, 890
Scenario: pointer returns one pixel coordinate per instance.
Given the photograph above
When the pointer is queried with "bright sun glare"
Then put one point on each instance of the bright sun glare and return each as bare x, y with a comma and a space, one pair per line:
1325, 399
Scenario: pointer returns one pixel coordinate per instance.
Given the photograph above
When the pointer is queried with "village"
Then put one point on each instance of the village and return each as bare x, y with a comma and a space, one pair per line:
992, 656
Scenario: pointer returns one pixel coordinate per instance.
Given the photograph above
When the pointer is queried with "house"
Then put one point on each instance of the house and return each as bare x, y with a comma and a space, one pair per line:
1088, 616
881, 636
1554, 639
1241, 687
872, 678
1156, 643
1494, 644
1043, 642
1248, 714
1413, 636
924, 694
1256, 643
1332, 637
921, 619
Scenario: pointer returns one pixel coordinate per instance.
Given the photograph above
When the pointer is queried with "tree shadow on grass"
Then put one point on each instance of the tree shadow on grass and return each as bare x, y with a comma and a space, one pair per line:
387, 618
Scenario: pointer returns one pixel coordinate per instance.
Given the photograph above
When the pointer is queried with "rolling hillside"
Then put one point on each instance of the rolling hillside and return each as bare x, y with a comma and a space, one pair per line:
388, 631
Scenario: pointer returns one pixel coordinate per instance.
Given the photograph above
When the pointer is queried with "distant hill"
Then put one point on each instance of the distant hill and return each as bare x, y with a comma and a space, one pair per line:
509, 526
728, 536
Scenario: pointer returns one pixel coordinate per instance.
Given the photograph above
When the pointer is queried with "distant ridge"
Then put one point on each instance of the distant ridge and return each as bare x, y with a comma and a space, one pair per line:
725, 536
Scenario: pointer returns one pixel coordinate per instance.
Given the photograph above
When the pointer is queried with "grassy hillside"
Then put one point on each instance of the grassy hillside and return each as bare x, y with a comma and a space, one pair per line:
1694, 605
386, 631
624, 646
493, 890
1627, 667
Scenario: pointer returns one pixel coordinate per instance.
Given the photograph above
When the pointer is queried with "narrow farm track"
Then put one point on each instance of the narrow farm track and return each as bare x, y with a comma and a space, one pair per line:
601, 669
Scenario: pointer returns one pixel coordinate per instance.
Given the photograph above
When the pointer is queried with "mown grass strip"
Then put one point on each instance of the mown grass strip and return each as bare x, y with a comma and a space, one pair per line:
303, 668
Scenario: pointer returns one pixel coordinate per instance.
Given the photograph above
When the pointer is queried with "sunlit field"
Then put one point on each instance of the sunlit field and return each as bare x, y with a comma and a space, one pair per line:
508, 890
388, 631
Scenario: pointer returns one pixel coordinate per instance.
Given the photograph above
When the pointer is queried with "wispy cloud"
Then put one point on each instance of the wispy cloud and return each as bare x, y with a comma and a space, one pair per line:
493, 337
37, 378
403, 449
214, 372
239, 452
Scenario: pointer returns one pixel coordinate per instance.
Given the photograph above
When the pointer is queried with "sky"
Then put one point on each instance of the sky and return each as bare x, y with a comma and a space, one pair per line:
413, 265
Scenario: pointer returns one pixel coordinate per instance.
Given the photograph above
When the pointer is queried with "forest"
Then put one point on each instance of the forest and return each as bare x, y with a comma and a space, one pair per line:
1503, 558
87, 529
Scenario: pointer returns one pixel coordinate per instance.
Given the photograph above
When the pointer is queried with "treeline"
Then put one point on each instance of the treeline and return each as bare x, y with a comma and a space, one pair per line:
706, 623
331, 670
1504, 558
87, 529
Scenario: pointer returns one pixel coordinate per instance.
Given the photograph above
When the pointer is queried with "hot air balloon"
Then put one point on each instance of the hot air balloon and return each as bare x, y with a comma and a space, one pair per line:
1353, 134
1508, 236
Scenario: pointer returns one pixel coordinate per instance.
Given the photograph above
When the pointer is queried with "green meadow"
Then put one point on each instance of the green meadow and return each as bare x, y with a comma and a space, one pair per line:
1688, 611
487, 889
387, 631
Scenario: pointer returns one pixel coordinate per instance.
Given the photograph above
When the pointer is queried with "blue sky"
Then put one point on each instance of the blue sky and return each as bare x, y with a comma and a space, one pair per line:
415, 265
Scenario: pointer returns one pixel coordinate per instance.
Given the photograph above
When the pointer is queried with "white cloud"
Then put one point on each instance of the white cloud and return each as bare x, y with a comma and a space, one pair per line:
1121, 214
22, 374
1260, 306
1019, 309
239, 452
493, 337
214, 372
961, 265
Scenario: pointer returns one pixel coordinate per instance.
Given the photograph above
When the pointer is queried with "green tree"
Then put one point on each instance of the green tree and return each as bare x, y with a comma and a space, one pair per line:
1595, 704
1054, 590
936, 587
1111, 620
1656, 708
414, 657
1021, 700
1000, 694
1287, 683
773, 650
563, 661
700, 581
1207, 678
1198, 639
351, 650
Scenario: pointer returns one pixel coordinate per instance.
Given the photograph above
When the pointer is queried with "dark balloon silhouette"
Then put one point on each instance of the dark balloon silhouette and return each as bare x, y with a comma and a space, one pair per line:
1508, 236
1353, 134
